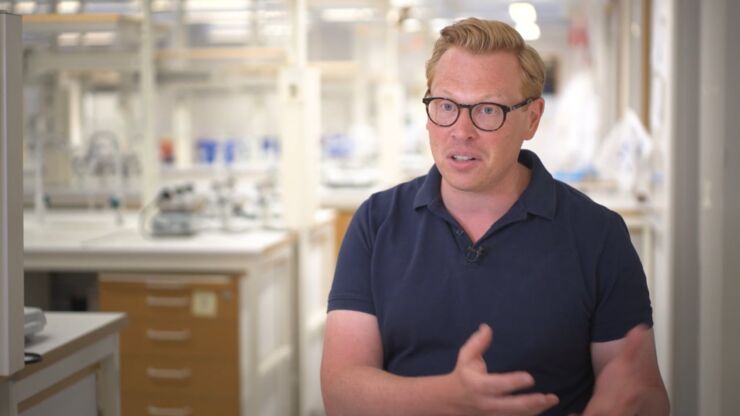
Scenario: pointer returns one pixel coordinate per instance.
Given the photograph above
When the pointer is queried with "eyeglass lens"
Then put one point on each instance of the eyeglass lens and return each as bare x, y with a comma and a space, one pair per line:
485, 116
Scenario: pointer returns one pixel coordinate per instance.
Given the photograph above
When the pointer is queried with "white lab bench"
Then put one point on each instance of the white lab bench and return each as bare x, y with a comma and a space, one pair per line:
637, 215
79, 369
262, 262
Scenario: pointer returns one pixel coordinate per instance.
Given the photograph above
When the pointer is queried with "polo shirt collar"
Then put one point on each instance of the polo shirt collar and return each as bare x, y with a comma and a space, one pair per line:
429, 191
538, 198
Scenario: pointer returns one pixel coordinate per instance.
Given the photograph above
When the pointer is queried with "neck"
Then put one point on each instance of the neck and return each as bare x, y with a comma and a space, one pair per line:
476, 211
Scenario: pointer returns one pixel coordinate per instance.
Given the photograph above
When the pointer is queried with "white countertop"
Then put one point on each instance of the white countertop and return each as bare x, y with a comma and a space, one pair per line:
82, 240
68, 332
65, 328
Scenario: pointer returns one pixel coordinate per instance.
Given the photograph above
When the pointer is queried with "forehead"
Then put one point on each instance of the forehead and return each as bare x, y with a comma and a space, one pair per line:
489, 74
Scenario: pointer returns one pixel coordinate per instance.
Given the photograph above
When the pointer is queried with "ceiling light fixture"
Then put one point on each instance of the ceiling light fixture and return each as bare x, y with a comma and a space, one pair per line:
202, 5
68, 7
347, 14
25, 7
522, 12
529, 31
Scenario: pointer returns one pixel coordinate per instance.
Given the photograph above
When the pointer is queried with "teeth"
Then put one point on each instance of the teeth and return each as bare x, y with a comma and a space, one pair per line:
459, 157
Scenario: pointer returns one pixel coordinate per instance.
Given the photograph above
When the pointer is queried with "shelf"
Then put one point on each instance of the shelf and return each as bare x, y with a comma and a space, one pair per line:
211, 54
82, 22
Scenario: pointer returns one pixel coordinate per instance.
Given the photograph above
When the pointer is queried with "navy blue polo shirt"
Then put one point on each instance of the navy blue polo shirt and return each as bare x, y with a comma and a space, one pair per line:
554, 274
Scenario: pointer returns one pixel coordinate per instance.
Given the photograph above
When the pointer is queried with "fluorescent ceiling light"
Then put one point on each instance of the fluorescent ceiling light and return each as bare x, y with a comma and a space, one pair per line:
163, 5
404, 3
529, 31
25, 7
201, 5
347, 14
522, 12
411, 25
437, 24
218, 17
68, 7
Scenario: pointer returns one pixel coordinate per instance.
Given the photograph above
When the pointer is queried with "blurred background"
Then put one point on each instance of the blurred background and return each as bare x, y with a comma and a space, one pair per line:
195, 163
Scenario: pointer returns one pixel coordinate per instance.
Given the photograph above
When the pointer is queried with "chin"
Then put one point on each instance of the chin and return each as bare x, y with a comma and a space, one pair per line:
461, 184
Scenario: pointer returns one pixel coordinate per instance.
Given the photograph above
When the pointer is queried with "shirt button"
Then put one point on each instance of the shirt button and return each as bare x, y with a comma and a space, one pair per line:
459, 231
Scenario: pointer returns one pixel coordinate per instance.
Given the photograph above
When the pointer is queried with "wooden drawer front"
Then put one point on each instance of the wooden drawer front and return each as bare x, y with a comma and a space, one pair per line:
161, 405
172, 298
177, 376
181, 337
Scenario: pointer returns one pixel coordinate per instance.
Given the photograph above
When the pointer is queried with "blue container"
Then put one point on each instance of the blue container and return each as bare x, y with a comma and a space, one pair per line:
206, 149
230, 148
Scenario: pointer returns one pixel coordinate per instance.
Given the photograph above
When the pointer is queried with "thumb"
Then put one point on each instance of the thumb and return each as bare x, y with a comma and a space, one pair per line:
477, 344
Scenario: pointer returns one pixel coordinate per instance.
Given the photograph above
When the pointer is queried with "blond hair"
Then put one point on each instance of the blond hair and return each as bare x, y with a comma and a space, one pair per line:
484, 36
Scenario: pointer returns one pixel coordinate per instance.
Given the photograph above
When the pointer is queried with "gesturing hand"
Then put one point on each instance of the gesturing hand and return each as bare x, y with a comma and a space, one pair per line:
491, 394
628, 379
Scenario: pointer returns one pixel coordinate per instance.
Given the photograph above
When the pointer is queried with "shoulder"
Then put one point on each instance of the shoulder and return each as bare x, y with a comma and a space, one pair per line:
390, 203
584, 214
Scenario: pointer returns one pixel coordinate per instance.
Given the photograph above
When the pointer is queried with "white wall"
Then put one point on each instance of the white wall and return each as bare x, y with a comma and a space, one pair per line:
703, 232
719, 205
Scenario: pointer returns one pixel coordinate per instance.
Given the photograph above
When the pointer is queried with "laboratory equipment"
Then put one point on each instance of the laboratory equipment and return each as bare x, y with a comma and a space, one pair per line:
221, 204
172, 213
34, 321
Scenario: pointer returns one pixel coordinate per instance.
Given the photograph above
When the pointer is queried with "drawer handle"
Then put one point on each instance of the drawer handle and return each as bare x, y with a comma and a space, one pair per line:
168, 373
165, 285
168, 411
168, 302
160, 335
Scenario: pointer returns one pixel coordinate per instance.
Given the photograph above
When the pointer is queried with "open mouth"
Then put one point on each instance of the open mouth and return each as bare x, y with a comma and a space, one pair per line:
462, 158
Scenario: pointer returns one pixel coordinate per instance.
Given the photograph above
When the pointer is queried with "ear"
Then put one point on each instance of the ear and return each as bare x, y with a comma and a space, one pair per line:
534, 114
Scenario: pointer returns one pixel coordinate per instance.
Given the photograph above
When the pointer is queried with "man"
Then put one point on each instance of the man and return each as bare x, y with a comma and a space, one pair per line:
486, 287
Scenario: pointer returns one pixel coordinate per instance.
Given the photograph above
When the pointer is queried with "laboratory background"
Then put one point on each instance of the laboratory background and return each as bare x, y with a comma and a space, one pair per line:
177, 176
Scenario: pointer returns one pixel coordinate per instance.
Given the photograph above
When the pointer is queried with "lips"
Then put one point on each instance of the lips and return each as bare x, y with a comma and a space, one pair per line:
462, 158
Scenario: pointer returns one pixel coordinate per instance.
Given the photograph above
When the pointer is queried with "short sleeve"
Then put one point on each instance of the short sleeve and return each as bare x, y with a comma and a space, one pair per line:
351, 288
622, 300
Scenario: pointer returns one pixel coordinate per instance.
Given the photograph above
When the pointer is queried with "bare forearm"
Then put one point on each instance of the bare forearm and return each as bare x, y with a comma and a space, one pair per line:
370, 391
656, 403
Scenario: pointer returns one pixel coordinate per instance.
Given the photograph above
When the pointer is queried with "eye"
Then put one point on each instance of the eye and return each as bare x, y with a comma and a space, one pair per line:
489, 110
447, 106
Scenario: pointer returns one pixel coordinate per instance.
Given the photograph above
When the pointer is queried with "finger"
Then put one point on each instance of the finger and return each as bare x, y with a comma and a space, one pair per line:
503, 383
596, 407
476, 345
522, 404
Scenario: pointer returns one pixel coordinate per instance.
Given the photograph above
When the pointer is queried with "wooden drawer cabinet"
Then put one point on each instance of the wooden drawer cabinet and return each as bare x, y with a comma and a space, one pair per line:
171, 296
181, 342
180, 377
162, 405
180, 337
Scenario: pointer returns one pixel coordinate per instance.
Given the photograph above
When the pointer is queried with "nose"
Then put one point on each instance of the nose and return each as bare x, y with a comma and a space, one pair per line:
464, 127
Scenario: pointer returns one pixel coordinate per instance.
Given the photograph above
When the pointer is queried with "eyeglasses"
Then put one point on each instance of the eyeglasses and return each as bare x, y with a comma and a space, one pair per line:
485, 116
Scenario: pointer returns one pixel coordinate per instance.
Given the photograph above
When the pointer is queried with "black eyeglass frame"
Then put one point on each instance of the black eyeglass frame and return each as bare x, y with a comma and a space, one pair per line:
505, 108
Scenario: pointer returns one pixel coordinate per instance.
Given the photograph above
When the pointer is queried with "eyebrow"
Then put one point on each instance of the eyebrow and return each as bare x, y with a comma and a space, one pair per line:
487, 99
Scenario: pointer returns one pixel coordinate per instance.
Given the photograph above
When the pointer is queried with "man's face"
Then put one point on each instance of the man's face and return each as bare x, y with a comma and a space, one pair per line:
470, 159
